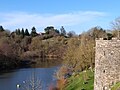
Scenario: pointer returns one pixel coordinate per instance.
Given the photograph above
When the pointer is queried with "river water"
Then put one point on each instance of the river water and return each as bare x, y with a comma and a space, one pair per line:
18, 79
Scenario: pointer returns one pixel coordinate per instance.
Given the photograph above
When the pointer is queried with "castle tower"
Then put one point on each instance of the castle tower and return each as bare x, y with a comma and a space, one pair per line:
107, 63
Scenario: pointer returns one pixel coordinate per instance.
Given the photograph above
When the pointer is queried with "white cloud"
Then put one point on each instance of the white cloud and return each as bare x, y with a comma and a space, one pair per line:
27, 20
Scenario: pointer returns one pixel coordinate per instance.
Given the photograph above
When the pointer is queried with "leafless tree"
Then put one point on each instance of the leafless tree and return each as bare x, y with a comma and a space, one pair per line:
116, 24
116, 27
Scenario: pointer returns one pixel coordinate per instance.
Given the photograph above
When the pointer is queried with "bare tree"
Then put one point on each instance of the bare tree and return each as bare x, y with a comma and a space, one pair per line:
116, 24
116, 27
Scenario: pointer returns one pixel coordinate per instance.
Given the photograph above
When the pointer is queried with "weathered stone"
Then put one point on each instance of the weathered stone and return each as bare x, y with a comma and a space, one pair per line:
107, 64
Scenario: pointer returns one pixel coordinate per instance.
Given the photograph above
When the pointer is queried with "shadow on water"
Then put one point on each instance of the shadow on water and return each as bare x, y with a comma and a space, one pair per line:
39, 63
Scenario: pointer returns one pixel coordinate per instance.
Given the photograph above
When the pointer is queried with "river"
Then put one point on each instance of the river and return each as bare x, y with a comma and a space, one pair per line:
19, 79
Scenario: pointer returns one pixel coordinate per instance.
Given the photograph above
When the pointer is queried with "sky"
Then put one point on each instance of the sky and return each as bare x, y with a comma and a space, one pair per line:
74, 15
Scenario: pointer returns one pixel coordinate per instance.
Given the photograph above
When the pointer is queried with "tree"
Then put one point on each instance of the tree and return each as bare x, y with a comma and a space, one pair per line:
33, 32
1, 29
115, 33
22, 33
35, 44
57, 31
51, 32
26, 32
116, 24
97, 32
116, 27
63, 32
48, 29
71, 34
17, 31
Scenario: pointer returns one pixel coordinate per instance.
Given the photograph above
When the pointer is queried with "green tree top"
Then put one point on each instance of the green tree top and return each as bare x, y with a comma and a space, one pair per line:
22, 32
26, 32
48, 29
17, 31
33, 32
1, 29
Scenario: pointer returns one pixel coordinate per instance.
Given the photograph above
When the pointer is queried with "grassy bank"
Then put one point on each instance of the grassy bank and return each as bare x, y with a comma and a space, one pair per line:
116, 86
81, 81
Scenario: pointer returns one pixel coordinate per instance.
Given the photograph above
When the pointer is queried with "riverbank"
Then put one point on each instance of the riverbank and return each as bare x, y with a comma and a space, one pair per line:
35, 63
78, 81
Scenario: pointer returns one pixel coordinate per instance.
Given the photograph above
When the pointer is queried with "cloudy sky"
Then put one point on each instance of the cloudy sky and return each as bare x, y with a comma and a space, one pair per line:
74, 15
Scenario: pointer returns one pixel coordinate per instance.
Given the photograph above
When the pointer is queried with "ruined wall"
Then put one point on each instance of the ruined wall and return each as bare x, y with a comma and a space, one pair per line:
107, 63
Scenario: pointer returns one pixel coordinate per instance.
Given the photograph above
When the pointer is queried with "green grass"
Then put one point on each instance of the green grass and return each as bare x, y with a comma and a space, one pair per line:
116, 86
81, 81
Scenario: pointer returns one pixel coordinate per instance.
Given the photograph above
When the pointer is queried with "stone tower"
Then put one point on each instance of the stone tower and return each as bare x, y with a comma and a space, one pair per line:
107, 63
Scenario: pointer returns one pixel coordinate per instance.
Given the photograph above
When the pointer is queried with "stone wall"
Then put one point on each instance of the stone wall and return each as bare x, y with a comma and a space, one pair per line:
107, 63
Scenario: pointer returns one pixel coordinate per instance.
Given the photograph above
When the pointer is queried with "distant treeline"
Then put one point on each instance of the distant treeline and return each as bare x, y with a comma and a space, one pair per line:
21, 45
76, 51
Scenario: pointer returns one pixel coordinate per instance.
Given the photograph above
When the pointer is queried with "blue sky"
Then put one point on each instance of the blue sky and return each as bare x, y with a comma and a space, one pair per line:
75, 15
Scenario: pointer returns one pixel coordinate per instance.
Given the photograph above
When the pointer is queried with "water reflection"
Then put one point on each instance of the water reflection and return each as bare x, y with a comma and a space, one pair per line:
43, 72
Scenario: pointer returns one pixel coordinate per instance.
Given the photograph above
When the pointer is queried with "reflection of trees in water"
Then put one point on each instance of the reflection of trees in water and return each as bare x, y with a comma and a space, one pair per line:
47, 63
33, 83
